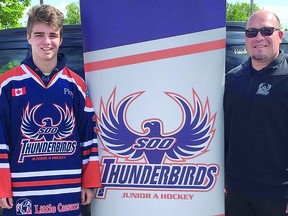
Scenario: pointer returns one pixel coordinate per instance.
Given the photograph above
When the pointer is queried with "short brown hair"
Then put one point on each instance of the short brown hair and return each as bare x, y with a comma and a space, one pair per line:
45, 14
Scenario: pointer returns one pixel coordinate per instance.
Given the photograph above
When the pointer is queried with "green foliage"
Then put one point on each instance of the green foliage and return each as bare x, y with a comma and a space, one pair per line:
11, 11
73, 14
6, 67
239, 11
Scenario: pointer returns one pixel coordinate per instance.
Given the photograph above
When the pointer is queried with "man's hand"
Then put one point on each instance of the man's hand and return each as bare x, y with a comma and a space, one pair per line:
6, 203
86, 196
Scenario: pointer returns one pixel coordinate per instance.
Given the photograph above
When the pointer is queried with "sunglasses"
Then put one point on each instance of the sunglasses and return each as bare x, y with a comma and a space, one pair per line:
266, 31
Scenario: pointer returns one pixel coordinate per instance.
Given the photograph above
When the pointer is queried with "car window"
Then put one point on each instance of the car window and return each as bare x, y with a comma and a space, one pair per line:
236, 52
11, 58
13, 48
284, 44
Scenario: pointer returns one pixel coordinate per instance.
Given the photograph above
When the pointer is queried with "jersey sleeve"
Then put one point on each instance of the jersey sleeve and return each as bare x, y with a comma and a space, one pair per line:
5, 173
91, 177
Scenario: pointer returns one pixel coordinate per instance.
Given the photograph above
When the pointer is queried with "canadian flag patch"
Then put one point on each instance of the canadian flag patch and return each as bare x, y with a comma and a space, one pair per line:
18, 91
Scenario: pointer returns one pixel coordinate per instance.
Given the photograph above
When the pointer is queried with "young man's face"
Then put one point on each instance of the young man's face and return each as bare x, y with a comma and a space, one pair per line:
45, 42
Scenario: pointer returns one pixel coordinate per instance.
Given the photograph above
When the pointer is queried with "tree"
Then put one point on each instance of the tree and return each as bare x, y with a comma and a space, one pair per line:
239, 11
11, 11
73, 14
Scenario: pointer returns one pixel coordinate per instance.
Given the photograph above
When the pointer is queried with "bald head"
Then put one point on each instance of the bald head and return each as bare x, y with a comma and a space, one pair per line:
263, 16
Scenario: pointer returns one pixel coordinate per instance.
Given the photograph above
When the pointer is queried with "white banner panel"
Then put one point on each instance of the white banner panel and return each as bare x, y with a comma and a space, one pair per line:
157, 93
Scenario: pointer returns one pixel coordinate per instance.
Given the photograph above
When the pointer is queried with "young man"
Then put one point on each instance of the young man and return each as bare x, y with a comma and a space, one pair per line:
48, 148
256, 123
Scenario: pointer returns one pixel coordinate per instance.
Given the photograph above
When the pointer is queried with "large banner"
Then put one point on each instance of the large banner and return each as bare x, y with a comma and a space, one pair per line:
155, 72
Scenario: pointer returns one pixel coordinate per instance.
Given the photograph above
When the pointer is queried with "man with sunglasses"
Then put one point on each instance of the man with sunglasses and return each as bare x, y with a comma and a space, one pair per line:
256, 123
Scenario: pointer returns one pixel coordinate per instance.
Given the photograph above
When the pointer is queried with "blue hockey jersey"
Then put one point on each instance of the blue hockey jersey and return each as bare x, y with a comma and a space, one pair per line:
48, 146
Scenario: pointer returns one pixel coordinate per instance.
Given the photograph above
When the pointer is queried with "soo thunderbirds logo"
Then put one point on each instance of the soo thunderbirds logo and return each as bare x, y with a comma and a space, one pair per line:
45, 138
155, 158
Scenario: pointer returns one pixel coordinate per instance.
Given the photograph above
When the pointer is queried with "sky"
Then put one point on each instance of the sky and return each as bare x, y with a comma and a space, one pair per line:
61, 5
279, 7
55, 3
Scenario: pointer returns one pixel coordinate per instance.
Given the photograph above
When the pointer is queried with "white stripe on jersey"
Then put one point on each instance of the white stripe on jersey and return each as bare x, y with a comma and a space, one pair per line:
4, 165
85, 161
46, 173
46, 192
88, 109
88, 143
92, 158
4, 147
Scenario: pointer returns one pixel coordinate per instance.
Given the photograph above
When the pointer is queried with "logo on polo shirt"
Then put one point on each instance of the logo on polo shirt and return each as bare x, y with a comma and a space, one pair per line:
264, 89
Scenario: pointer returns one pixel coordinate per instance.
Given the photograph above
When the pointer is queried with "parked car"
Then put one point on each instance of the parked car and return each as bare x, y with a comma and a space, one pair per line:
236, 52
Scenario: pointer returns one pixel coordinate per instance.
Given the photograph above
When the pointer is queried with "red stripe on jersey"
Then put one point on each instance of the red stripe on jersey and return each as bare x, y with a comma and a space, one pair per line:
87, 152
3, 156
5, 183
79, 81
46, 182
88, 102
91, 177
